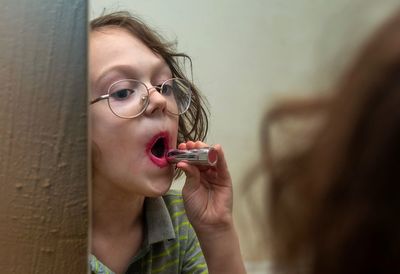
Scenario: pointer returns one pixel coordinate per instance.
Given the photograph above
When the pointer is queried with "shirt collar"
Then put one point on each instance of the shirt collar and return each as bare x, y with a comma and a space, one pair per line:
158, 221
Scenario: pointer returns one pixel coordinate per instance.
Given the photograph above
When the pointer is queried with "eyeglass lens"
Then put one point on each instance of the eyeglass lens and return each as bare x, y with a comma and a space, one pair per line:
177, 93
129, 98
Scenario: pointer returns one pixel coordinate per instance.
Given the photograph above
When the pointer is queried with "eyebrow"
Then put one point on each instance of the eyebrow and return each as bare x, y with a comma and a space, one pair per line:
127, 70
120, 69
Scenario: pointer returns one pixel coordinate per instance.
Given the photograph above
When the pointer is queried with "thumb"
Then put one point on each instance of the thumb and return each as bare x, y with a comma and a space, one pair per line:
192, 182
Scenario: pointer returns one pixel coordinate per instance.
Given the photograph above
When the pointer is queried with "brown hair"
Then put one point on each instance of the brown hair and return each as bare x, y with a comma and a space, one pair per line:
334, 206
193, 124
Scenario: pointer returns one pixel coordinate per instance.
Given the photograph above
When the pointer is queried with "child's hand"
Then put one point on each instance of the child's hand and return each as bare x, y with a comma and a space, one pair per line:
207, 192
207, 195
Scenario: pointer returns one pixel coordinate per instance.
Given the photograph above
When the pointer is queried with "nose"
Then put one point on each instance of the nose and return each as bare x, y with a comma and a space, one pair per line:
157, 102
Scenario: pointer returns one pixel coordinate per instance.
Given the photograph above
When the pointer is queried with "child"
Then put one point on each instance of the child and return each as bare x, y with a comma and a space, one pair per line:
141, 106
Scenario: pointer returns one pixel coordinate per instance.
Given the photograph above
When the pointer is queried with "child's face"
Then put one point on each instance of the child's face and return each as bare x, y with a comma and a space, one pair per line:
124, 149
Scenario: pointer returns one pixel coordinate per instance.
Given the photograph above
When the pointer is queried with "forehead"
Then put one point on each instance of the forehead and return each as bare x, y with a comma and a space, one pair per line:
114, 47
114, 38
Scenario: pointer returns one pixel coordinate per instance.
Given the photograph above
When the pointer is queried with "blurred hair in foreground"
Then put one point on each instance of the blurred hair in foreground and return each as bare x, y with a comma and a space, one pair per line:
333, 203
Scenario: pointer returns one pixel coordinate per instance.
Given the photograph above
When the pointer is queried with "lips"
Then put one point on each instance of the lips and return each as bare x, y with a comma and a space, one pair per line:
157, 147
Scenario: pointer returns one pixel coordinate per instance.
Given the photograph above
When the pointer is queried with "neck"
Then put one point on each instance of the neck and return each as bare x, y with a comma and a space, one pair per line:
117, 226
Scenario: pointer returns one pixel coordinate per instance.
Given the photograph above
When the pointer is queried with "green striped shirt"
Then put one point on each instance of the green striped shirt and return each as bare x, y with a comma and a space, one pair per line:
170, 244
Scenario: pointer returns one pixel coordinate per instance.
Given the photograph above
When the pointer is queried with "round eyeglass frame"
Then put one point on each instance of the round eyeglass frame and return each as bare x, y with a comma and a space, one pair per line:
146, 97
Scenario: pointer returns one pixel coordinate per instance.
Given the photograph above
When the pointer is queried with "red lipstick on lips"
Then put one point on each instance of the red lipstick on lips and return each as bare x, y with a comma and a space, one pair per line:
157, 147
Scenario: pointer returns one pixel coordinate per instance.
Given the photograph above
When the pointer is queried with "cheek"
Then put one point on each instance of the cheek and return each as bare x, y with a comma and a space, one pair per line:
96, 153
105, 127
175, 128
96, 144
109, 145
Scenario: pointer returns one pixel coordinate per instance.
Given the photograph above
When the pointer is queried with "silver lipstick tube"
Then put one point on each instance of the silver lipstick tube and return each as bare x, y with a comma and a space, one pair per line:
206, 156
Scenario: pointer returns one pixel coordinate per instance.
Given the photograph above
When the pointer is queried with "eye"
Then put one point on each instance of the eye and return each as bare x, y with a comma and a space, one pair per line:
166, 89
122, 94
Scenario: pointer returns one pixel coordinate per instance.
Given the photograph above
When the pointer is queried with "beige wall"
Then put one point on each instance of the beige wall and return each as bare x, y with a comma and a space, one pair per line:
43, 137
247, 54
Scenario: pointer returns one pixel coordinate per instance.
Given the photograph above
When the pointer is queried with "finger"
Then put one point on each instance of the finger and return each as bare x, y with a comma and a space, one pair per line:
200, 144
210, 175
192, 182
221, 166
203, 168
190, 145
182, 146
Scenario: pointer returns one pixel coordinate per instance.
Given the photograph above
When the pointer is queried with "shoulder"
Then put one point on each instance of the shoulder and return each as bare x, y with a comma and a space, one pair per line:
174, 202
172, 193
193, 259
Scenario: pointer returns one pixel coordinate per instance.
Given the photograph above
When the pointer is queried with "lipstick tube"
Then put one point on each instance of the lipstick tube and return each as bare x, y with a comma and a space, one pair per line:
206, 156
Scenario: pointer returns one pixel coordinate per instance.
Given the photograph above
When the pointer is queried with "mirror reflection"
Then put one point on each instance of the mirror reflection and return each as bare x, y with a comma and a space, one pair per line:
241, 61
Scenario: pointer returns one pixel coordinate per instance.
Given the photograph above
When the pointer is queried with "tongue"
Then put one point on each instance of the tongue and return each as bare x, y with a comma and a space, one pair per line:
158, 148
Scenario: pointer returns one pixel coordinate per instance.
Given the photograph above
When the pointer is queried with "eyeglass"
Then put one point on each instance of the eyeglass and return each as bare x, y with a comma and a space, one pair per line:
129, 98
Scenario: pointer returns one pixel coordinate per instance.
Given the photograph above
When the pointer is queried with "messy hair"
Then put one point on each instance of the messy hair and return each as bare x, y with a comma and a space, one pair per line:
193, 124
334, 206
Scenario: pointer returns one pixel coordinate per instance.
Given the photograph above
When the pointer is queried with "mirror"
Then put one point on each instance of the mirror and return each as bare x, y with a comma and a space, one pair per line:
247, 55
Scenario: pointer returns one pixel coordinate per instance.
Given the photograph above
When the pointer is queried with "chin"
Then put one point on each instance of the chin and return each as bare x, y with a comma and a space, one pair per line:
160, 189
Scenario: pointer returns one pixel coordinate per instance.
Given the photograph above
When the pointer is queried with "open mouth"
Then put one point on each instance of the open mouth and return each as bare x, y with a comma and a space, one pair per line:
157, 148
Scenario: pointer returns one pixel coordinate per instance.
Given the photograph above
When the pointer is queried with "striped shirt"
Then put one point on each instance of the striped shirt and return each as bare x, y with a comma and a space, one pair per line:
170, 244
